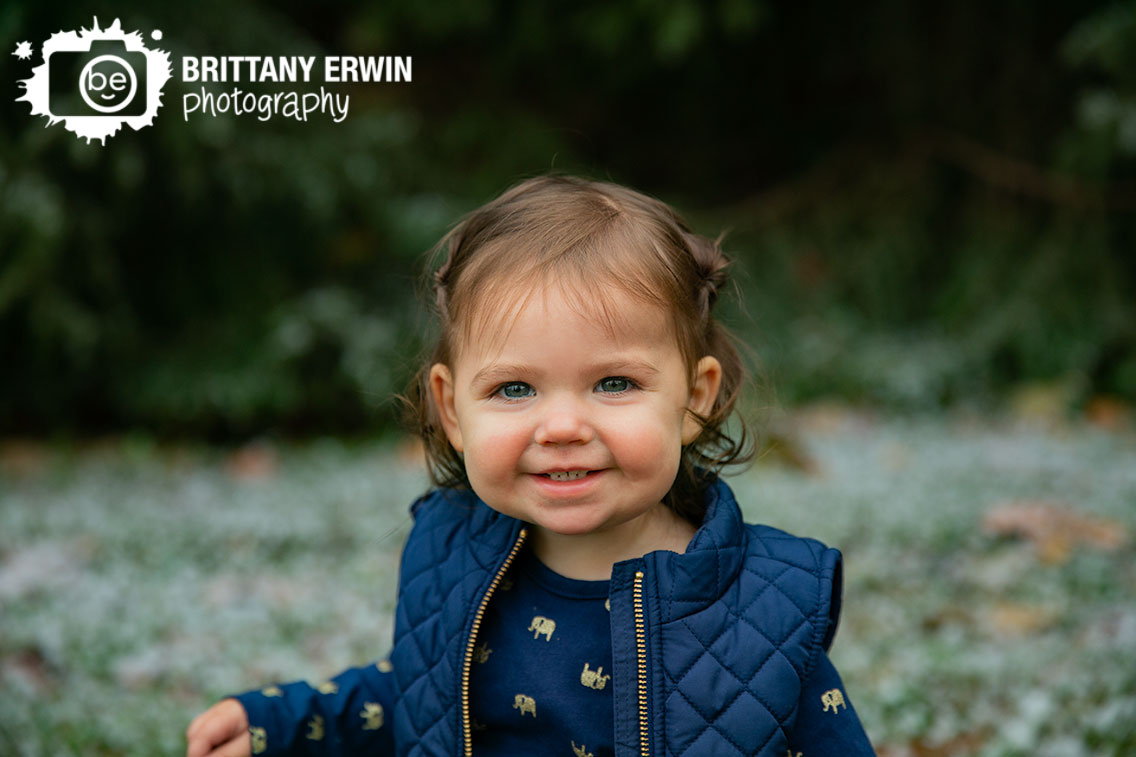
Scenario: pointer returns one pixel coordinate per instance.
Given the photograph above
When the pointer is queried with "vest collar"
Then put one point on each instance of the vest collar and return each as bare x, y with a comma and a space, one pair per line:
703, 574
689, 581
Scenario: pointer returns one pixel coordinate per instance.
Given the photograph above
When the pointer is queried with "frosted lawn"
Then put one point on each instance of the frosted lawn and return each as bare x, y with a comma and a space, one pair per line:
139, 584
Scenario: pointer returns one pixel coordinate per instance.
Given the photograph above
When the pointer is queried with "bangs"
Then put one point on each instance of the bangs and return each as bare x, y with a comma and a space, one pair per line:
595, 281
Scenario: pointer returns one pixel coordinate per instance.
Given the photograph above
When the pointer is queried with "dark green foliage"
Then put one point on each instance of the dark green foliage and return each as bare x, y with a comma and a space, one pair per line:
928, 204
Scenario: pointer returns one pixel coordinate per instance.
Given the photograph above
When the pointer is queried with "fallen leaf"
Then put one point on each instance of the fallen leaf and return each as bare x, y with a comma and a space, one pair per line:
31, 666
1108, 412
255, 460
966, 743
1020, 619
22, 457
787, 450
948, 615
1054, 529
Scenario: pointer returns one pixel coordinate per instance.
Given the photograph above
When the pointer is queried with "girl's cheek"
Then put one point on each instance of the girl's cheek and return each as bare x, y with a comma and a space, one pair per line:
646, 437
502, 433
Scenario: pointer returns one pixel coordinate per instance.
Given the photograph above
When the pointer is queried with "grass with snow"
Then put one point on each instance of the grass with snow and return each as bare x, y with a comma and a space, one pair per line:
139, 584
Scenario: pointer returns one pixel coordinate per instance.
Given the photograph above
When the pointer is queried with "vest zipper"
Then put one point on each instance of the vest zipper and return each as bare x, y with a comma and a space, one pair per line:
467, 661
641, 657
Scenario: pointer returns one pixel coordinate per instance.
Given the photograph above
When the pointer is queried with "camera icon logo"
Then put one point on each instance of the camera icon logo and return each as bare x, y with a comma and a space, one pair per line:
106, 79
96, 80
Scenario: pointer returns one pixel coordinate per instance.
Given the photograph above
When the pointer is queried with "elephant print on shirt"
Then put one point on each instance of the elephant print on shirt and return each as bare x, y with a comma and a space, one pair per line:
833, 698
524, 704
593, 679
258, 740
542, 625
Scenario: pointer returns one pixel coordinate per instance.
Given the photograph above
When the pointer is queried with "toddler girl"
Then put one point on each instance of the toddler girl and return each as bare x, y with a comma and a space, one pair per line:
580, 582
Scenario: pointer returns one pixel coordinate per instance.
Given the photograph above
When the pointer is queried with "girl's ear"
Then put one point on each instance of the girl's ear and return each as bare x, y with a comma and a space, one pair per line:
703, 394
442, 393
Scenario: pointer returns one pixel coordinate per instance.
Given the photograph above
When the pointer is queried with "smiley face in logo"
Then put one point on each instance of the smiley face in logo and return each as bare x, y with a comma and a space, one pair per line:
108, 83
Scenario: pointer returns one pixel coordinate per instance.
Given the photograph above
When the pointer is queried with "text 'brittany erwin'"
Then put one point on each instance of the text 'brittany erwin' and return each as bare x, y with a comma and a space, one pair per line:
295, 68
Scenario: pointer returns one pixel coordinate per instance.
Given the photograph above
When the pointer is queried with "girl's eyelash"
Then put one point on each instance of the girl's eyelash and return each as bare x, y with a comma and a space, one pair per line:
631, 384
499, 391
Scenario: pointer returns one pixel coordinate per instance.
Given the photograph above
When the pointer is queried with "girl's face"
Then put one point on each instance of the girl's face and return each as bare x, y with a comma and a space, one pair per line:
571, 426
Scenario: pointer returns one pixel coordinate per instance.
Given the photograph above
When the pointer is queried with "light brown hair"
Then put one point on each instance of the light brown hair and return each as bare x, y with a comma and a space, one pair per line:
584, 236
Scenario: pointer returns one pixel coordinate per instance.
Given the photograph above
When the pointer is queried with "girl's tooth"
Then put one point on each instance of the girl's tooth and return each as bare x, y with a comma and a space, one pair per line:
567, 475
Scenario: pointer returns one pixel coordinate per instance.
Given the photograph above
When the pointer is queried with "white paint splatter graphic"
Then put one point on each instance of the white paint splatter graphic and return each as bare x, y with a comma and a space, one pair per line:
108, 83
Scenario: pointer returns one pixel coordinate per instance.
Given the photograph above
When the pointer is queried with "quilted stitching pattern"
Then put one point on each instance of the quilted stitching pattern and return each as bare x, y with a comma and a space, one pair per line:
774, 634
741, 614
444, 571
750, 634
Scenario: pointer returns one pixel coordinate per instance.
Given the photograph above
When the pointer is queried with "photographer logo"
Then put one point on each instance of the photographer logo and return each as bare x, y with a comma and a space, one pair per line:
97, 80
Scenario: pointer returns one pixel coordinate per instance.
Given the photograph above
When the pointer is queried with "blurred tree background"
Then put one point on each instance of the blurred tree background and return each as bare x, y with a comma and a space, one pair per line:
930, 205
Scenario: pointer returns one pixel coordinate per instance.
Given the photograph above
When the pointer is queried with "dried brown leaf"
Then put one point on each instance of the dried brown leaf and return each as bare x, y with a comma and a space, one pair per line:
1109, 412
1020, 619
255, 460
1054, 529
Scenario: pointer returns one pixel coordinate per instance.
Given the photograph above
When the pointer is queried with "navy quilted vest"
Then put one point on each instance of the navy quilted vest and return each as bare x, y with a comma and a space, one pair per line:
710, 647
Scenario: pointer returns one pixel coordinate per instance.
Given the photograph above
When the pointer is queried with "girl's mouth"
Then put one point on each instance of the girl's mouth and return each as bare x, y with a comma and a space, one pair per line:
567, 475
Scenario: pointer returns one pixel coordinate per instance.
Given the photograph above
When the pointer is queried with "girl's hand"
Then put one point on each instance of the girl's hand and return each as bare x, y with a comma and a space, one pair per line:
220, 731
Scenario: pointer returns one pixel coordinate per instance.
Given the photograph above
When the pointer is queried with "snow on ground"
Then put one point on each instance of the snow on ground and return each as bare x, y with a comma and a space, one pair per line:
990, 603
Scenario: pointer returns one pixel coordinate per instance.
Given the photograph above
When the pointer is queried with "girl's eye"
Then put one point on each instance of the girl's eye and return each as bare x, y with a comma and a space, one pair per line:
614, 385
516, 390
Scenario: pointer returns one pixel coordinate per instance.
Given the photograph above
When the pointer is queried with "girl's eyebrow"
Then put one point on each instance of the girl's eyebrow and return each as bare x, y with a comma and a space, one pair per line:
504, 371
491, 374
637, 367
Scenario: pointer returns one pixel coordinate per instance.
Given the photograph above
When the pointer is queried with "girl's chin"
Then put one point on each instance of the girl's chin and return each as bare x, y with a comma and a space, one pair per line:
562, 526
586, 521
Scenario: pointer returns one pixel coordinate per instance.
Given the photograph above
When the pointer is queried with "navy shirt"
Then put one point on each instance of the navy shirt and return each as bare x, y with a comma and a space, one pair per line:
540, 682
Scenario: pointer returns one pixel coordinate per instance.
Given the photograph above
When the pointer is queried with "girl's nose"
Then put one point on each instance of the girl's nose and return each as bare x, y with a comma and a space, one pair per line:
564, 422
